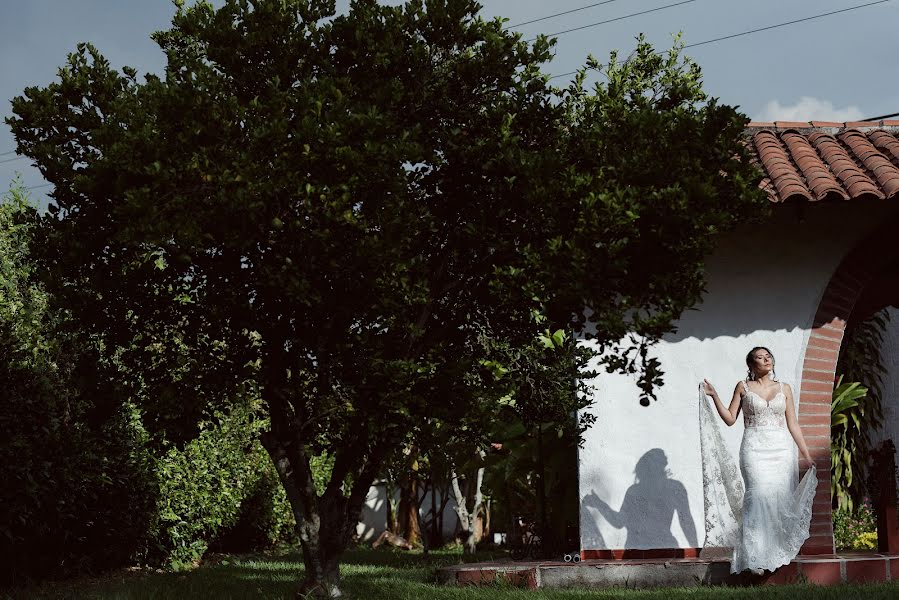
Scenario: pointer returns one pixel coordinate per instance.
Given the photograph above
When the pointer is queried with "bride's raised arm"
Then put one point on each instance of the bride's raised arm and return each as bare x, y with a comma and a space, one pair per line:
729, 414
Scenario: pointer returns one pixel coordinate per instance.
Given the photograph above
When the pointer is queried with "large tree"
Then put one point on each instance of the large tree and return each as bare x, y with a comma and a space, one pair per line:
348, 214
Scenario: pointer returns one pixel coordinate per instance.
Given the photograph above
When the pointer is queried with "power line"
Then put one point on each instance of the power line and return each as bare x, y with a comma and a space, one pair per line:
751, 31
559, 14
827, 14
881, 117
7, 153
35, 187
636, 14
9, 160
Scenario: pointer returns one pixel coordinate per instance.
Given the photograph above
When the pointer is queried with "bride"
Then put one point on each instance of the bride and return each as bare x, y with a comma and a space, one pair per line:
772, 517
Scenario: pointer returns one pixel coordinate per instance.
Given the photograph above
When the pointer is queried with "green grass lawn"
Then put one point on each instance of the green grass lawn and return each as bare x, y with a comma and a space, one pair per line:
382, 575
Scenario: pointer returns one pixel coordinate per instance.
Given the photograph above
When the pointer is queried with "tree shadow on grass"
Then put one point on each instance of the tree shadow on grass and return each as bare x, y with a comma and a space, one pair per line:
366, 573
270, 578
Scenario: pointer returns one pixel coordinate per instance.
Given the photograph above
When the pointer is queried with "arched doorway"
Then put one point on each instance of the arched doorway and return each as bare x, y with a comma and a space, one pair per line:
866, 281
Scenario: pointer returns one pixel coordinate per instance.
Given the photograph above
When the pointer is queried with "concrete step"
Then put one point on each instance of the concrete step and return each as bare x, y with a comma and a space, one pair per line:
827, 569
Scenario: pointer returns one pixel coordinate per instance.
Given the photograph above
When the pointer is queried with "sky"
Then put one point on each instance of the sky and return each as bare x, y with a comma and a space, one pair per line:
837, 67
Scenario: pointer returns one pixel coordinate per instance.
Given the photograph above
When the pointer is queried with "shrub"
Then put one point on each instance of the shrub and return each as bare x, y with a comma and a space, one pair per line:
220, 485
78, 489
856, 411
83, 488
264, 519
865, 541
86, 486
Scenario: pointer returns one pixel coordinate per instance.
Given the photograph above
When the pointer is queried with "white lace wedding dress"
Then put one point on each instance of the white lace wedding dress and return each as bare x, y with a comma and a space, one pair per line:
766, 522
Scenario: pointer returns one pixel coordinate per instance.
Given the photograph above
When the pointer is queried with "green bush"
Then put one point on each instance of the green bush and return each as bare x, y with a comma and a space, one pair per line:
856, 410
865, 541
78, 488
83, 488
264, 519
220, 486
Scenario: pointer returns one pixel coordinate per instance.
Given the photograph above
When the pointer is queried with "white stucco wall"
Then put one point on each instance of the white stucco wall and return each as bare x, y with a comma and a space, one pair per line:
374, 513
764, 286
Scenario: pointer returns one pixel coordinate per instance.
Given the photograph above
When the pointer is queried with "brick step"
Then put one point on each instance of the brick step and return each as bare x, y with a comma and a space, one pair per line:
649, 573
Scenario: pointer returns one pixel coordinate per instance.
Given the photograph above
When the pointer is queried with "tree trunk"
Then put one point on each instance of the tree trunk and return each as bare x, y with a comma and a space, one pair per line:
438, 530
322, 565
322, 573
388, 500
541, 485
437, 509
468, 519
422, 525
407, 517
485, 529
325, 526
388, 537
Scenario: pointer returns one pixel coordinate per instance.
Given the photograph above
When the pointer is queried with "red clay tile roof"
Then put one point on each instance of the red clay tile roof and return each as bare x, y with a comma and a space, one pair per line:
821, 160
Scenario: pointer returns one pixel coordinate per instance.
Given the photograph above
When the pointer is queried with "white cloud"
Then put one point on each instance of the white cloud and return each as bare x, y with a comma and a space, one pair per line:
809, 109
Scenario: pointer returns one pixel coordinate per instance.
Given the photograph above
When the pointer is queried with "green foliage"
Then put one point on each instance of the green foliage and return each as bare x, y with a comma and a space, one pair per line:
861, 359
70, 459
321, 466
847, 425
540, 433
852, 530
219, 481
512, 481
85, 489
337, 211
23, 302
856, 409
865, 541
264, 518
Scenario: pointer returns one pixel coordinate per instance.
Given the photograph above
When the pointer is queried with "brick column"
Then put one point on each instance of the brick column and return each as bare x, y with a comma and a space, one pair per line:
819, 369
814, 418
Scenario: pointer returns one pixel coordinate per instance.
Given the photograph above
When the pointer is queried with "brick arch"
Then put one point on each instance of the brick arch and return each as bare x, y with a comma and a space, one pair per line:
855, 273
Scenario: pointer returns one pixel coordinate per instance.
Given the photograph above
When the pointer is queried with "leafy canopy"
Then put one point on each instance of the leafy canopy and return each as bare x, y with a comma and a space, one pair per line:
355, 215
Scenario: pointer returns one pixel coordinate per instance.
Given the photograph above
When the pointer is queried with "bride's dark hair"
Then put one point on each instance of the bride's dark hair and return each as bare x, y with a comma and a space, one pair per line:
751, 374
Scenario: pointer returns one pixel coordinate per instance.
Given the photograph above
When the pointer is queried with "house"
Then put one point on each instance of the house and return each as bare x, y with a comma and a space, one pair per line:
827, 258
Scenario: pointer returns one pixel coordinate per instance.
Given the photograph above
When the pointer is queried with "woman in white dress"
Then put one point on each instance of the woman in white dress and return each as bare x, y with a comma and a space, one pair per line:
773, 521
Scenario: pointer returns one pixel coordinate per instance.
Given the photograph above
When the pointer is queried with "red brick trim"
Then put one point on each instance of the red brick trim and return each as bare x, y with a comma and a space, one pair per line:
820, 363
629, 553
822, 569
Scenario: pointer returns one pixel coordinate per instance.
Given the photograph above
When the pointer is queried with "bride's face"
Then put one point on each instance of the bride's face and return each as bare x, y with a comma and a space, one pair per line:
762, 362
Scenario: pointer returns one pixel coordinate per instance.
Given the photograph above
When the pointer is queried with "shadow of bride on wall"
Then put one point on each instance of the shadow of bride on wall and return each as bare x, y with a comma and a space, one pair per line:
648, 508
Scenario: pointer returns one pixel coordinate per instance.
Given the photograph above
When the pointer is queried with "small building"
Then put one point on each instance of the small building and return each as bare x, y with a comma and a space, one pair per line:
827, 259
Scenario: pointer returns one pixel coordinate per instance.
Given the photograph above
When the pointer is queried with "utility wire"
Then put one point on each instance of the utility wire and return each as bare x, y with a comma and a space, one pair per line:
636, 14
35, 187
827, 14
9, 160
559, 14
751, 31
881, 117
7, 153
